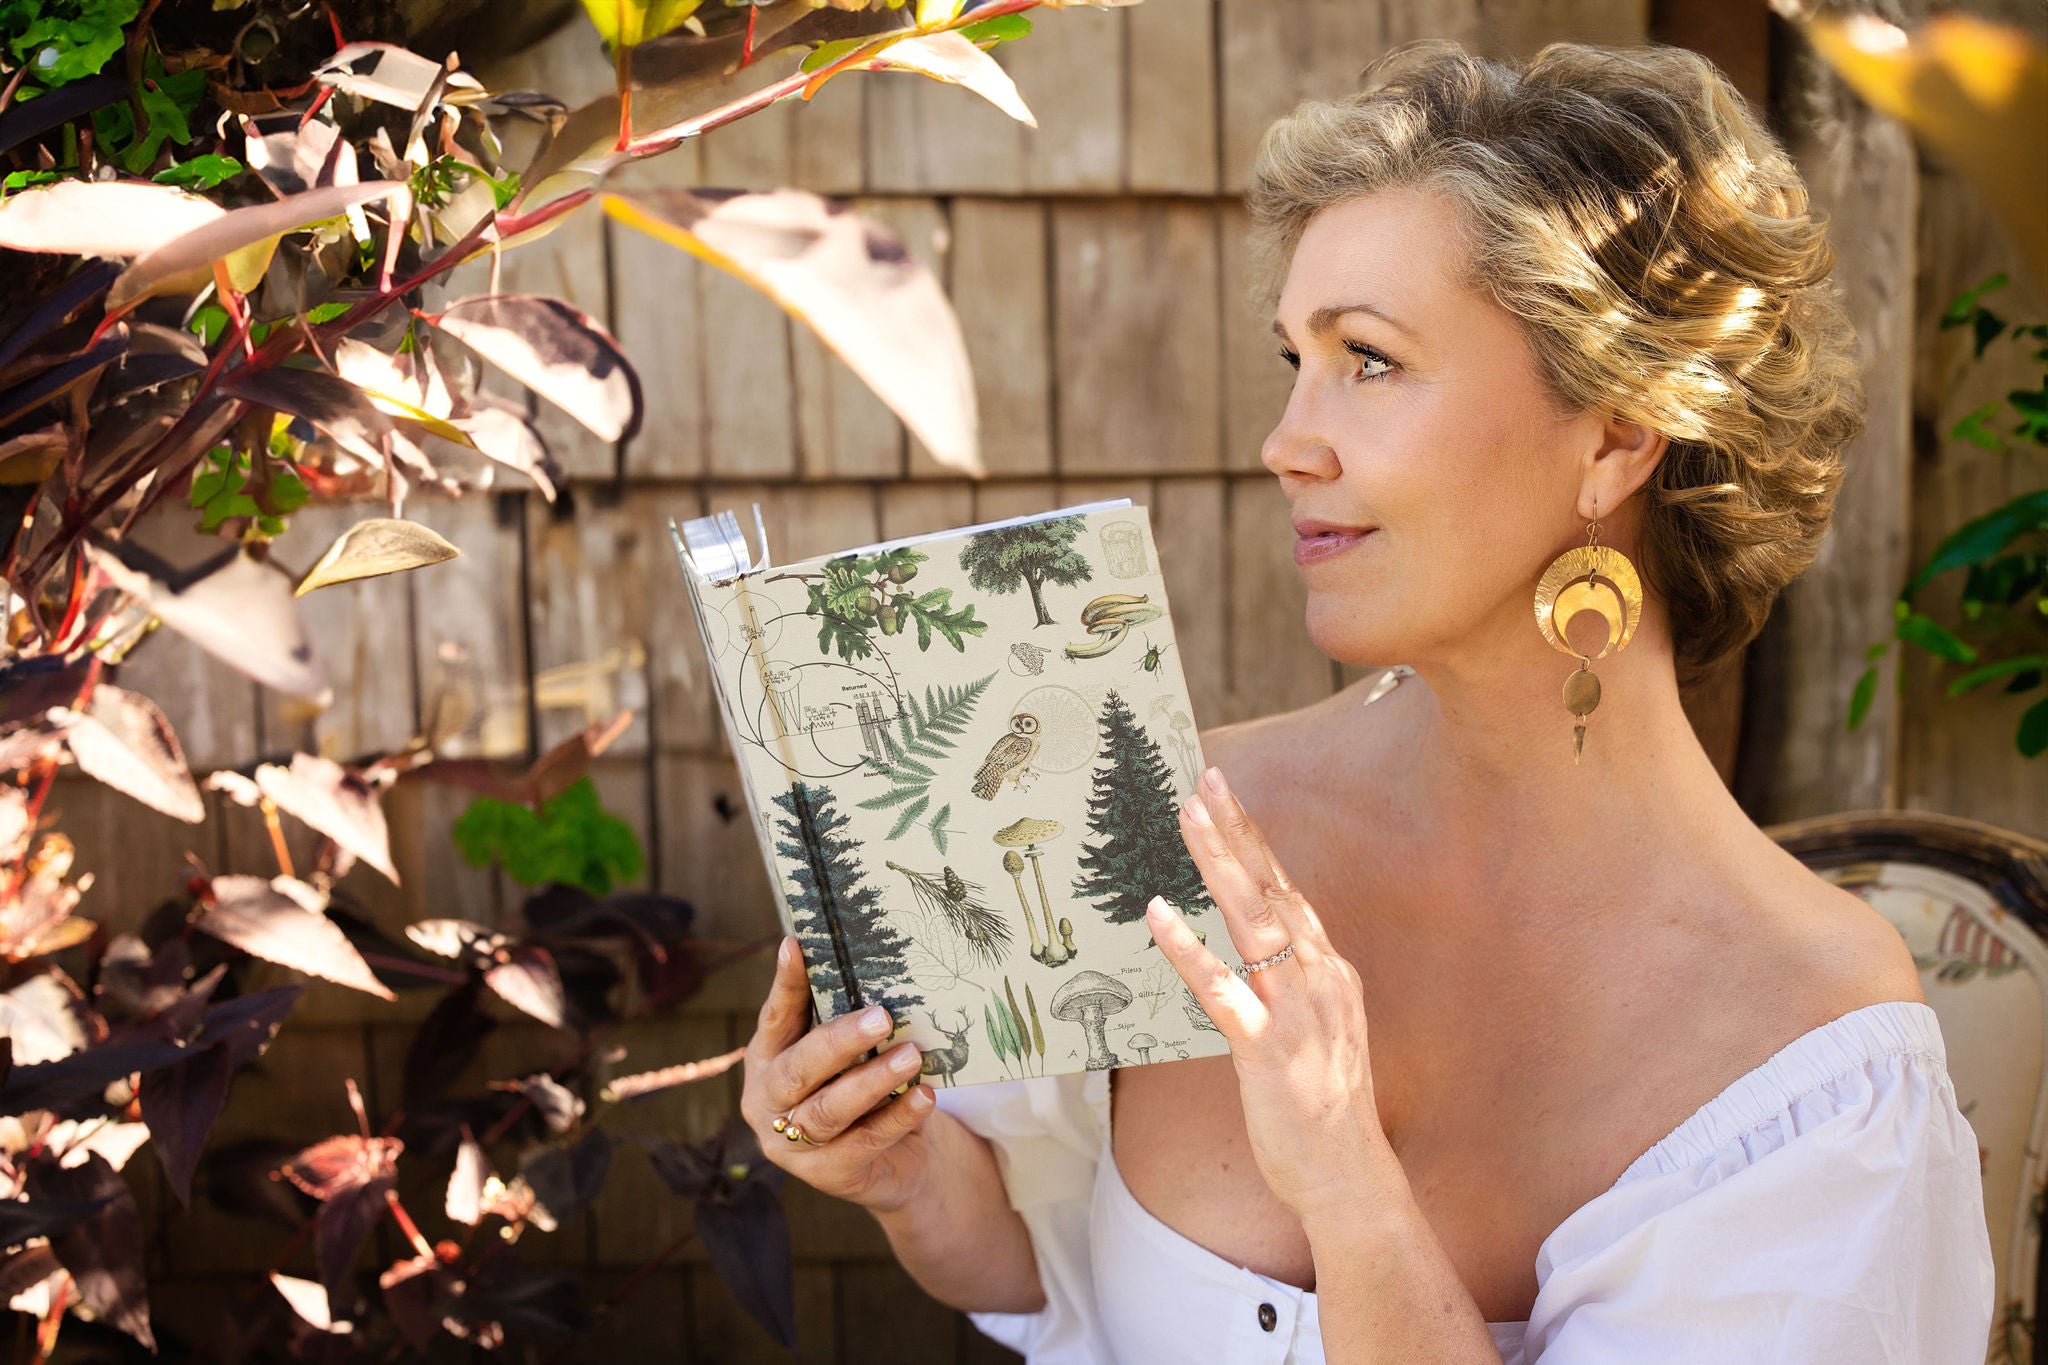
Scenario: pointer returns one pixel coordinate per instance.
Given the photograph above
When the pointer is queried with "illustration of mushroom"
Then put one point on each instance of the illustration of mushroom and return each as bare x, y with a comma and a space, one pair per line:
1142, 1044
1067, 934
1027, 834
1013, 863
1088, 1000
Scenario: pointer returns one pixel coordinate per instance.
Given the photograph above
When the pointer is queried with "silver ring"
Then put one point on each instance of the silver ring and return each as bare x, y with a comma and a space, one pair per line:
1266, 962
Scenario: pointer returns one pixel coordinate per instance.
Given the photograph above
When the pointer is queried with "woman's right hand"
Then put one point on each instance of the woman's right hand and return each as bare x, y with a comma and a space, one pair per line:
877, 1159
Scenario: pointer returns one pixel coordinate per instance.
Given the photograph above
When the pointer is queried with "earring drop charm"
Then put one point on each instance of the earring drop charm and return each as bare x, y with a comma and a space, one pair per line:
1592, 578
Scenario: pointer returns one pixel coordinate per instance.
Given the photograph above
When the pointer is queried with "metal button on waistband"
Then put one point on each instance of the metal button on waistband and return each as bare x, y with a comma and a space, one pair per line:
1269, 1317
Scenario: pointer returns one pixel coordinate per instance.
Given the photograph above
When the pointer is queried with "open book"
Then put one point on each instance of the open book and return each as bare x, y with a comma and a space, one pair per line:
962, 754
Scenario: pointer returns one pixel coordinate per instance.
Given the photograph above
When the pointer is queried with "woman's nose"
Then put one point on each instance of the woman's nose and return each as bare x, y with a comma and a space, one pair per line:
1298, 448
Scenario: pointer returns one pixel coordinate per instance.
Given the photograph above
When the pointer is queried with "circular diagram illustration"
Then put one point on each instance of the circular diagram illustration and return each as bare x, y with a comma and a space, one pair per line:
1067, 734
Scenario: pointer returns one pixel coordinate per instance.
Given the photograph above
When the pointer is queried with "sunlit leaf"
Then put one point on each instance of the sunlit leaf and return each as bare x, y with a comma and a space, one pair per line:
335, 801
103, 217
629, 23
380, 545
123, 740
853, 282
952, 58
185, 263
234, 607
556, 350
275, 923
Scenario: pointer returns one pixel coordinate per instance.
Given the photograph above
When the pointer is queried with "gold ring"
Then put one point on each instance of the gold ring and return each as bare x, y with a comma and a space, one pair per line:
787, 1125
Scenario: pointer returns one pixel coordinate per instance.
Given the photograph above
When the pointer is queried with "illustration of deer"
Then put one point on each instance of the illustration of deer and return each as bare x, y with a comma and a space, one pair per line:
946, 1061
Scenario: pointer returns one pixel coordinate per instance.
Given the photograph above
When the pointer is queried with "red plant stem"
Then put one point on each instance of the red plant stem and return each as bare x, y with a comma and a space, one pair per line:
406, 1225
426, 969
53, 1321
13, 84
277, 843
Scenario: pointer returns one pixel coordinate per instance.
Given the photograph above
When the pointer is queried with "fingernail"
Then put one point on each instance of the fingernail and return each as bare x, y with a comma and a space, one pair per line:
874, 1021
1159, 903
920, 1099
783, 951
905, 1058
1198, 814
1213, 779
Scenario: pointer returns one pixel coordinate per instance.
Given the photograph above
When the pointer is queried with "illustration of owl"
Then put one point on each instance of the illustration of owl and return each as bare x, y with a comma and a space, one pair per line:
1008, 757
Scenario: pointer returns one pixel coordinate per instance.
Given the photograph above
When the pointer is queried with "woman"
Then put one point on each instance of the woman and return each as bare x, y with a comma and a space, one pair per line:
1639, 1087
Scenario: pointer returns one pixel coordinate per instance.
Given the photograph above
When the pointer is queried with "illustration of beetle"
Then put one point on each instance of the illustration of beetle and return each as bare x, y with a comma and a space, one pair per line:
1154, 654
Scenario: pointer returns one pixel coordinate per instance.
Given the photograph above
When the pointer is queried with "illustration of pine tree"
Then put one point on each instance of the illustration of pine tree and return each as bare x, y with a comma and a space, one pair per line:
856, 930
1030, 556
1136, 852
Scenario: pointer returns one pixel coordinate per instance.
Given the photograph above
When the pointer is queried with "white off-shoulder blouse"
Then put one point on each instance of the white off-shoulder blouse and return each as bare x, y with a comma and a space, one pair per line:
1826, 1207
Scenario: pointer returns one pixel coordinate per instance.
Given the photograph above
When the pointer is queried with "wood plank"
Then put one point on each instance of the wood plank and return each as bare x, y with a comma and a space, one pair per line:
469, 627
828, 151
683, 703
996, 500
362, 632
136, 855
1000, 292
1957, 756
885, 1317
1256, 381
1860, 167
912, 509
923, 137
1137, 339
722, 1331
708, 854
1274, 665
1271, 57
749, 388
1172, 97
659, 319
1189, 517
755, 152
1517, 28
1737, 38
587, 603
1070, 71
637, 1217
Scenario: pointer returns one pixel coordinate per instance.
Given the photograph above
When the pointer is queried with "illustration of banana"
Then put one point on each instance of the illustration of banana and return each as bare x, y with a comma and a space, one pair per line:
1109, 618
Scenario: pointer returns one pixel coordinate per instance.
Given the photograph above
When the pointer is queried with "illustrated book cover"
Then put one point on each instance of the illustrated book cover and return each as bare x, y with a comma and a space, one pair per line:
962, 754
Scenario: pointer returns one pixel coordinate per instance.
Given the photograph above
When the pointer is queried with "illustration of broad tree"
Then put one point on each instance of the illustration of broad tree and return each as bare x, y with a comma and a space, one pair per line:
1030, 556
1135, 851
838, 916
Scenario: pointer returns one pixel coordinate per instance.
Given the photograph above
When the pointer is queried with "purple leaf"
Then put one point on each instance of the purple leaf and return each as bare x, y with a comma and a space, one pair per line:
280, 921
336, 407
335, 801
747, 1239
55, 1085
447, 1040
343, 1224
25, 119
84, 285
122, 739
104, 1252
30, 687
185, 263
181, 1103
528, 980
233, 607
416, 1293
566, 1182
60, 379
557, 351
22, 1219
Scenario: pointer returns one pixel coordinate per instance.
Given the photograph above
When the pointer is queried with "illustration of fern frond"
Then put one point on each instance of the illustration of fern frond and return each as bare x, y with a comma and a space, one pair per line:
924, 734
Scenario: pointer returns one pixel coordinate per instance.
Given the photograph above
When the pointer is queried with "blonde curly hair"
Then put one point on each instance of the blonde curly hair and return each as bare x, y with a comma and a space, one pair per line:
1655, 244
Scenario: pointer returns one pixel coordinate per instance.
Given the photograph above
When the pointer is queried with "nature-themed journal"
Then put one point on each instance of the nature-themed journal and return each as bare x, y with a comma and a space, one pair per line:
962, 753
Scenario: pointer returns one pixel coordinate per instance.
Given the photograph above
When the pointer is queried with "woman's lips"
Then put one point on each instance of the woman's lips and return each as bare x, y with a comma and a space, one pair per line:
1315, 541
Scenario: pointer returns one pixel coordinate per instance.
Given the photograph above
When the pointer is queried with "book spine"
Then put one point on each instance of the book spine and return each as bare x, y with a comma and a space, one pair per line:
821, 878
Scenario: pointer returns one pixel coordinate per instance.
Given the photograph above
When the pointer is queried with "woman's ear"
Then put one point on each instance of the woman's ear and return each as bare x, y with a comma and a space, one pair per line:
1626, 455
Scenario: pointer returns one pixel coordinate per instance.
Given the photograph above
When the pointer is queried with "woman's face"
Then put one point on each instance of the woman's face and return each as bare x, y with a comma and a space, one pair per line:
1430, 473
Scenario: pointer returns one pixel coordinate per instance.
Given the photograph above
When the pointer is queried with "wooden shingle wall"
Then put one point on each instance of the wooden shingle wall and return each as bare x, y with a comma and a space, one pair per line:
1097, 265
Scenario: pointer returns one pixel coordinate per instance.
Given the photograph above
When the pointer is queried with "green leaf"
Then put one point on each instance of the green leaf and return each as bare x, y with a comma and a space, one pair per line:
17, 180
1976, 429
910, 813
1930, 635
209, 321
1860, 700
628, 23
201, 172
1984, 536
824, 54
1963, 306
321, 312
572, 840
2032, 405
68, 42
1001, 29
2032, 737
1876, 651
1989, 327
1977, 677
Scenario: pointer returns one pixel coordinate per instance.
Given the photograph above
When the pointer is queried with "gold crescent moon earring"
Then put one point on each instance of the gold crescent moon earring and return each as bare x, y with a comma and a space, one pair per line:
1591, 578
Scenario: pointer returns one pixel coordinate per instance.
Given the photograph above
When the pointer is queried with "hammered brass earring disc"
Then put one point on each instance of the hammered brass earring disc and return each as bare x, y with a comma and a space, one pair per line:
1590, 578
1581, 692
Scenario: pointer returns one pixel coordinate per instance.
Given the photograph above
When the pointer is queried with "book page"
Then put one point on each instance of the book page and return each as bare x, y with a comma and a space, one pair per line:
966, 752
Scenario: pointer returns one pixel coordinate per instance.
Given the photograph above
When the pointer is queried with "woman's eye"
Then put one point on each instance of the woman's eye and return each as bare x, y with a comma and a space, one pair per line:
1370, 357
1290, 357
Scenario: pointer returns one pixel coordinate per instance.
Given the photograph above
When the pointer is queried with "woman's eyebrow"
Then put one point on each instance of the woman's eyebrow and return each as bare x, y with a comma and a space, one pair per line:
1324, 318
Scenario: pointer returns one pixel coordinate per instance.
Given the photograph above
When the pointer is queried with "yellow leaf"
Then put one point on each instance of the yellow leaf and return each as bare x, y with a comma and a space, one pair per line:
628, 23
380, 545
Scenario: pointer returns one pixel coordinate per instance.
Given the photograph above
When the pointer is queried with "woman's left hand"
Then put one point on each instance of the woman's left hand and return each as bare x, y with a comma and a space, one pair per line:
1296, 1029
